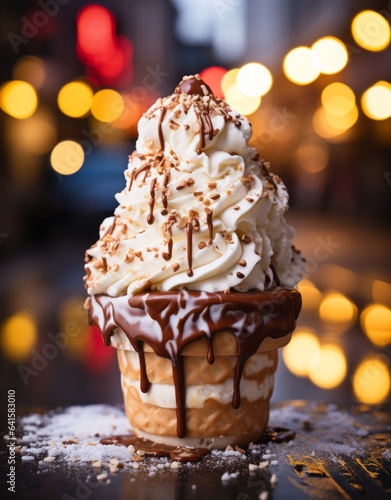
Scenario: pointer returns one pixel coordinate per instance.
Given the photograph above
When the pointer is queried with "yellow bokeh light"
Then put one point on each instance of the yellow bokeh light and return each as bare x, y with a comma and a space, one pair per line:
298, 354
254, 80
107, 105
19, 335
328, 367
312, 155
343, 122
240, 102
67, 157
75, 99
329, 55
36, 134
18, 99
310, 294
376, 101
376, 322
338, 99
73, 323
229, 79
371, 30
298, 66
337, 309
321, 125
31, 69
371, 381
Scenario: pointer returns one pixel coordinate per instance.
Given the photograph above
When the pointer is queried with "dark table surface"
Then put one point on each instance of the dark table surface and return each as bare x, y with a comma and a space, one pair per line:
336, 453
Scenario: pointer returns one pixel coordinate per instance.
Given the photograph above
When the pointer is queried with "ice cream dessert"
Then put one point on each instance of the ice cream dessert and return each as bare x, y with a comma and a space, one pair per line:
193, 278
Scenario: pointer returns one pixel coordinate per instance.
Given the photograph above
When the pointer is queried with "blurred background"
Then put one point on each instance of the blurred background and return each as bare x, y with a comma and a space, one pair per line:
313, 77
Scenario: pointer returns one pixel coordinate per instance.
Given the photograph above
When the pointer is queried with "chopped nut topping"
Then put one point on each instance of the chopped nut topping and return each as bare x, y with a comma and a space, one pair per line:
202, 245
240, 275
249, 199
242, 263
212, 184
175, 266
181, 185
215, 197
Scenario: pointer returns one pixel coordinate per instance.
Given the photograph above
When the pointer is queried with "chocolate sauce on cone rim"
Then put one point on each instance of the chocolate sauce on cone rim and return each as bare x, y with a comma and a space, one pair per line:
183, 317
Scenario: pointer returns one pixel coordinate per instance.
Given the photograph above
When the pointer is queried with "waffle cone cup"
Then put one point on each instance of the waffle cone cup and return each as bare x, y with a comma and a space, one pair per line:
198, 369
211, 419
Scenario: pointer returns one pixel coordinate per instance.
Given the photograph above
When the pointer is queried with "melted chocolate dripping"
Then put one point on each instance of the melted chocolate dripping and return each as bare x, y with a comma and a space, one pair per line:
135, 172
151, 218
189, 235
166, 178
160, 131
209, 221
251, 317
152, 449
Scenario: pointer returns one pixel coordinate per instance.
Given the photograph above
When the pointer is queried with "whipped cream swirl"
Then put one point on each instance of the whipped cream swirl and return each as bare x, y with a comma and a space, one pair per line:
199, 211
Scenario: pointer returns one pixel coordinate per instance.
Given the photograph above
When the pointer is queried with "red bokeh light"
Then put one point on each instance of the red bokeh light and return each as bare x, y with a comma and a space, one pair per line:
213, 76
95, 32
106, 55
97, 356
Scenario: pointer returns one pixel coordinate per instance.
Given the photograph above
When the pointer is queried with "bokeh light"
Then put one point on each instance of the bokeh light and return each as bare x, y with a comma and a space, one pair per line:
376, 322
311, 296
67, 157
338, 99
336, 309
329, 55
298, 66
371, 381
312, 155
343, 122
37, 134
107, 105
18, 99
73, 324
298, 354
328, 367
229, 79
376, 101
19, 335
254, 80
330, 126
371, 30
95, 30
213, 77
30, 69
75, 99
241, 102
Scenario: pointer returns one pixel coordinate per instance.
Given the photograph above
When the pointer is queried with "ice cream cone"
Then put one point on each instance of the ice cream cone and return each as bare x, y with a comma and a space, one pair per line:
194, 278
186, 380
211, 419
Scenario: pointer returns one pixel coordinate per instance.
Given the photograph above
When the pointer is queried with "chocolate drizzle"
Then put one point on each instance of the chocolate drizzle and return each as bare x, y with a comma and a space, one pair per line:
151, 218
251, 317
209, 221
160, 131
189, 247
